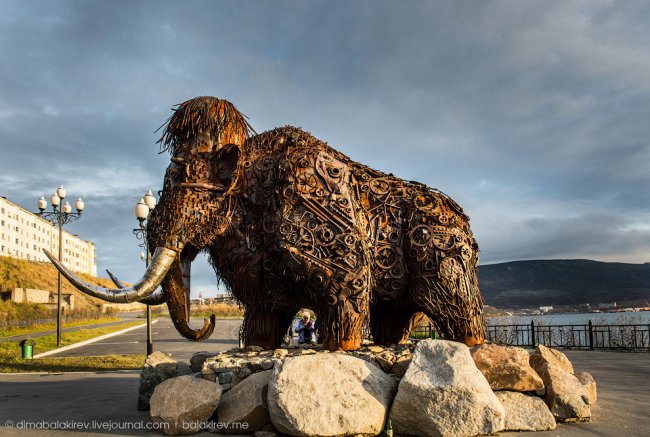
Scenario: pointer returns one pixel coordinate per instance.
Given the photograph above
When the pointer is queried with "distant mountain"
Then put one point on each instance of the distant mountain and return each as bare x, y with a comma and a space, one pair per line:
530, 284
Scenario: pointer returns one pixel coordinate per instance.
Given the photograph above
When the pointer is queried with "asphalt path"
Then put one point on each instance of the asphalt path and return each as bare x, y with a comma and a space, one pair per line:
165, 338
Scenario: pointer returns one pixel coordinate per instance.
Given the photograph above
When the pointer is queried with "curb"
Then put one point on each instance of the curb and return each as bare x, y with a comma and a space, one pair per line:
91, 340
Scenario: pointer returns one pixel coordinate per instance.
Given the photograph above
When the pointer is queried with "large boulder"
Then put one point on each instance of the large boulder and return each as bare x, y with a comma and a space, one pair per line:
525, 413
565, 396
544, 355
444, 394
184, 404
158, 367
330, 394
506, 368
246, 403
589, 384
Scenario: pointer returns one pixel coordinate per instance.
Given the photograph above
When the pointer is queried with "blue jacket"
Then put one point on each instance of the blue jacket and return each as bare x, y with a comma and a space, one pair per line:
305, 332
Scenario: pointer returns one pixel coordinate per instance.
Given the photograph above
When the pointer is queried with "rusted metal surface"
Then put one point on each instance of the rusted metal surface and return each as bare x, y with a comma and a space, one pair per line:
290, 223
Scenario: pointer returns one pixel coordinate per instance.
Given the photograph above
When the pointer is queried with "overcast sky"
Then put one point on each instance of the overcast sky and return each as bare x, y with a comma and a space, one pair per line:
534, 116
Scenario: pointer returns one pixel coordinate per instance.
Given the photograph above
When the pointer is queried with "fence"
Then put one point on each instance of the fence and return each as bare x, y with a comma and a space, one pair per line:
585, 336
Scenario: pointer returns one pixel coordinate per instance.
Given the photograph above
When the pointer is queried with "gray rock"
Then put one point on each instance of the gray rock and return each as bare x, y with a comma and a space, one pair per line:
158, 367
329, 395
280, 353
444, 394
197, 360
246, 403
544, 355
401, 365
525, 413
244, 373
184, 404
506, 368
589, 384
385, 360
225, 377
565, 395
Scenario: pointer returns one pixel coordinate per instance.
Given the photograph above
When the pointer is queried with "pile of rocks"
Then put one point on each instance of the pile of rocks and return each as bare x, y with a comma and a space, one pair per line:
231, 367
436, 387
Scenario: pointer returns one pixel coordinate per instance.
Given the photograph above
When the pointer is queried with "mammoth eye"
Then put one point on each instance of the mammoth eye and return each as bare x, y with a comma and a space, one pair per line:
226, 162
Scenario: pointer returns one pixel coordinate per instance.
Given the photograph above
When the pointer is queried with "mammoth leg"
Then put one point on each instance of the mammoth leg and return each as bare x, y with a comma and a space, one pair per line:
344, 311
455, 318
266, 328
393, 325
341, 327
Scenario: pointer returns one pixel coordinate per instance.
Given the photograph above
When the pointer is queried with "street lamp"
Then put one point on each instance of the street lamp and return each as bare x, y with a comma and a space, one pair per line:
141, 211
60, 215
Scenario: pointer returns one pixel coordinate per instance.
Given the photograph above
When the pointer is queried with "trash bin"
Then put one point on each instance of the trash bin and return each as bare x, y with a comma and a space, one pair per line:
27, 346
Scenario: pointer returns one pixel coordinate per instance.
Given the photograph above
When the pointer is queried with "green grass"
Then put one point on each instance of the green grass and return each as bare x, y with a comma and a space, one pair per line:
10, 350
73, 364
49, 326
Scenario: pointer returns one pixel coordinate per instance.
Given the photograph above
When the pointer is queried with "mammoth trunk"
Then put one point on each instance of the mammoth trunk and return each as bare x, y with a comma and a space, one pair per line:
178, 302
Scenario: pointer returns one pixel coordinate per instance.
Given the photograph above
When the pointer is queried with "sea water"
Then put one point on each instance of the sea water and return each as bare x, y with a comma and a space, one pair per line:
621, 318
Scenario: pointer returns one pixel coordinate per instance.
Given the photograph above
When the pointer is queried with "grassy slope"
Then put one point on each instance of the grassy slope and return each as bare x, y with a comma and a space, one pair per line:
18, 273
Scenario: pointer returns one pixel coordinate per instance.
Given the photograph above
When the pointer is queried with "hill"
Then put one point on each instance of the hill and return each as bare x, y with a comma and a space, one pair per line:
18, 273
530, 284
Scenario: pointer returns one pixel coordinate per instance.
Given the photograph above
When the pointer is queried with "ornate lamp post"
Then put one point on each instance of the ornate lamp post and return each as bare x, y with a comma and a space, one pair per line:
142, 209
60, 215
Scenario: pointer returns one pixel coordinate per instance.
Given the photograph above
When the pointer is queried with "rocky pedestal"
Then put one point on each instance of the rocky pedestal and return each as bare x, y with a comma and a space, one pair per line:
441, 388
444, 394
329, 394
158, 367
184, 404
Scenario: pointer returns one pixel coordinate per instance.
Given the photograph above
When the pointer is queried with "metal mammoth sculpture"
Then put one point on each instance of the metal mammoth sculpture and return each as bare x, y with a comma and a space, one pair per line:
289, 222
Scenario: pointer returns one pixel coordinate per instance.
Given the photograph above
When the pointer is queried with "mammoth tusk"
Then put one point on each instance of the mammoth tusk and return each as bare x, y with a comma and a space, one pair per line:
156, 298
203, 185
160, 263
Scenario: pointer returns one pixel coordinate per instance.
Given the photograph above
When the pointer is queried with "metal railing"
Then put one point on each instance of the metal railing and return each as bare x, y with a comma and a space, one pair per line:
577, 336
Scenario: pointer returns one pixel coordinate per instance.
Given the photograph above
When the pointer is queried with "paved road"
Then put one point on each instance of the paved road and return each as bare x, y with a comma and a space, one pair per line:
166, 339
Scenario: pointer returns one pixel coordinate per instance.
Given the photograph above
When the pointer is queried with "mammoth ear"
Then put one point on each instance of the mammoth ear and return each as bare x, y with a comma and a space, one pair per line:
224, 164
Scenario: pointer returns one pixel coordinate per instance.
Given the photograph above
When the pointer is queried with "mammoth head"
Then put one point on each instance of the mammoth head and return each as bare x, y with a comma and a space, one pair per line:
204, 136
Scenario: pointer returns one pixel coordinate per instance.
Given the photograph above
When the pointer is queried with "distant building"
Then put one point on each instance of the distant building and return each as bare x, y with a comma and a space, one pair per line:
24, 235
545, 309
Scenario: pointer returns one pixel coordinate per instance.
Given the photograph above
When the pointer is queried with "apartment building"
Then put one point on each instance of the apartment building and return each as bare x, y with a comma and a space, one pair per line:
24, 235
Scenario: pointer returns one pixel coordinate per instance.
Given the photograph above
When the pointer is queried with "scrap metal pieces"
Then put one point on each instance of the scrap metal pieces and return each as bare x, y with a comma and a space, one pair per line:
290, 222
